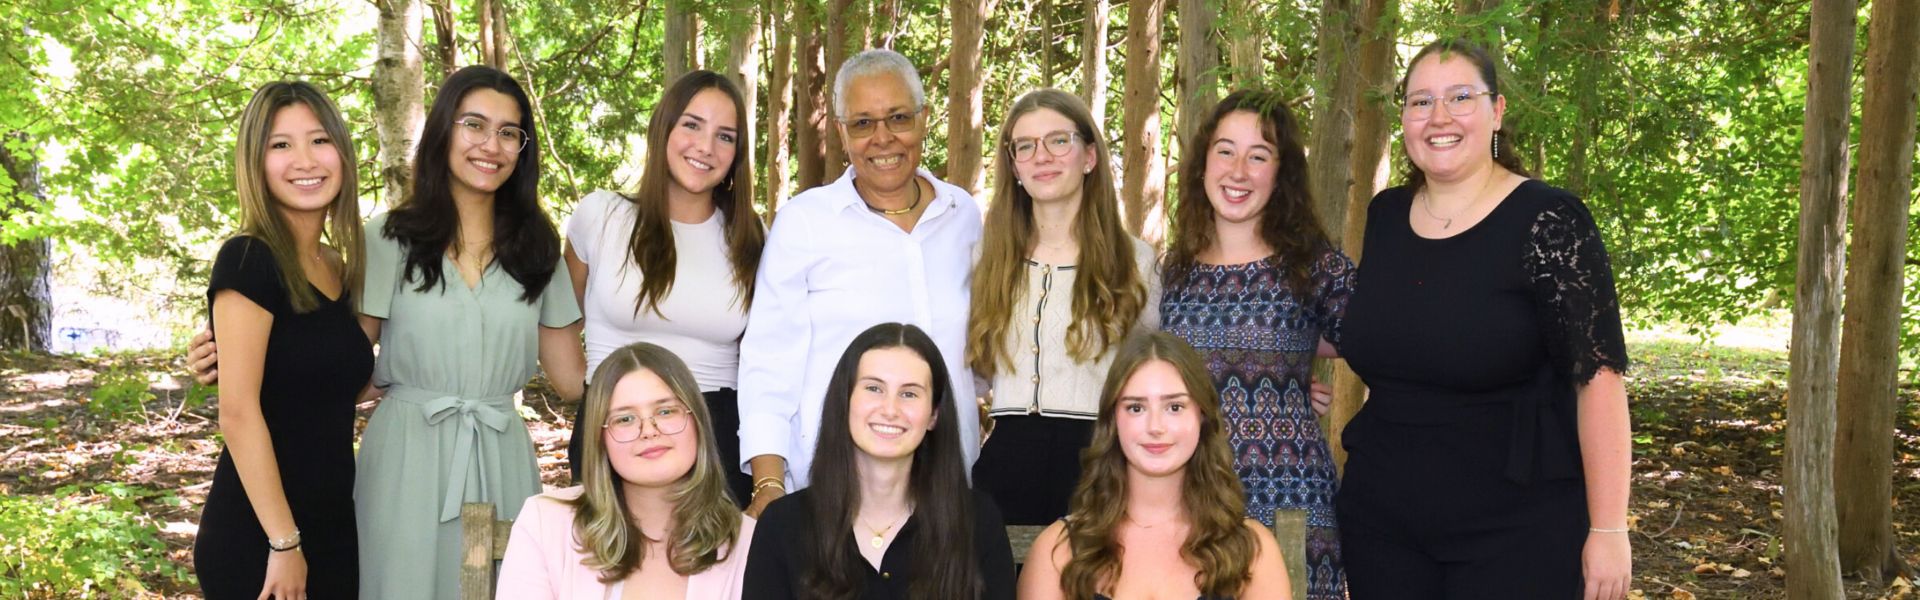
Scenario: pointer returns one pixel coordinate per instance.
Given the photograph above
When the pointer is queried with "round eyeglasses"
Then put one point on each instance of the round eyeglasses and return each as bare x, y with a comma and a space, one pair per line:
1461, 101
668, 420
1058, 144
474, 130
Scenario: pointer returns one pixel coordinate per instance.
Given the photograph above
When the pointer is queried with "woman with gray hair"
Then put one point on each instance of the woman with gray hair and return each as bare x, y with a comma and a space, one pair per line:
887, 242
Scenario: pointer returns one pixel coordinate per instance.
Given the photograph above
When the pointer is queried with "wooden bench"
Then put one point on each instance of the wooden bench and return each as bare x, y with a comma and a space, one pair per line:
484, 544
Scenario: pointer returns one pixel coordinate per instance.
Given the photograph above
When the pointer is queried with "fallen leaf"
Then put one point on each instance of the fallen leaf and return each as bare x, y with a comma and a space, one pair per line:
1680, 594
1706, 569
1742, 573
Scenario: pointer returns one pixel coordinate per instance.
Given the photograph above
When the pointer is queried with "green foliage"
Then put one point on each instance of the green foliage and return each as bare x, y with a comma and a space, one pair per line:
88, 541
122, 392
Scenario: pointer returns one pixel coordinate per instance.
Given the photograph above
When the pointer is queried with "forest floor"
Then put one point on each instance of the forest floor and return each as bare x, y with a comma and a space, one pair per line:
127, 435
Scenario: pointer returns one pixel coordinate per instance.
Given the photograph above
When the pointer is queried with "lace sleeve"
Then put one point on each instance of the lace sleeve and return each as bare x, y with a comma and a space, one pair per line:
1573, 292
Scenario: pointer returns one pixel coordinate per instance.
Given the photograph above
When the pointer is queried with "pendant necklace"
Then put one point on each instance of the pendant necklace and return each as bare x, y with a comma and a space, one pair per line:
1427, 204
879, 535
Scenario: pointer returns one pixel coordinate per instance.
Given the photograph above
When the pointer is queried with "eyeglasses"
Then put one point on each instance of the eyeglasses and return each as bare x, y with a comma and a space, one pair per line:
474, 131
1058, 143
900, 122
1461, 101
667, 420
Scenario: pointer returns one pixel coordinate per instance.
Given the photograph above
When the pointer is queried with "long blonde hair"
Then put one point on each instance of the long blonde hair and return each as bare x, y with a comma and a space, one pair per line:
1218, 543
1108, 292
260, 213
706, 522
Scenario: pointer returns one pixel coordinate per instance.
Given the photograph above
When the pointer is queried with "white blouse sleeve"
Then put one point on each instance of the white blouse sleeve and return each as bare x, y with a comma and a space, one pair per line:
774, 348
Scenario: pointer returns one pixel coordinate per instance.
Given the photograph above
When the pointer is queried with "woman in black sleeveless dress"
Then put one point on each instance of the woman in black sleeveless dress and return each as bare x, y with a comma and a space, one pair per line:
279, 517
1492, 457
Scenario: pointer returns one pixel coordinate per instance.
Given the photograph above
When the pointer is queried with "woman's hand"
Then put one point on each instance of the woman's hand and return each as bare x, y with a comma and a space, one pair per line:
1322, 396
762, 497
202, 358
286, 576
1608, 563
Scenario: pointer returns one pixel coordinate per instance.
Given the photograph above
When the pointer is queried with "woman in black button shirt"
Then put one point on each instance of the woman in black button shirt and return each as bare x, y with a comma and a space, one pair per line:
888, 514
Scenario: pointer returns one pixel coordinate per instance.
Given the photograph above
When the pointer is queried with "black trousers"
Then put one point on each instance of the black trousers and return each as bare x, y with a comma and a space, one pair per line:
1031, 465
1427, 513
724, 405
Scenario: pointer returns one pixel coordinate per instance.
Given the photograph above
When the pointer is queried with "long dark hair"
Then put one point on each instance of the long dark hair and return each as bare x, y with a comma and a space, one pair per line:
651, 242
525, 242
943, 565
1288, 223
1490, 73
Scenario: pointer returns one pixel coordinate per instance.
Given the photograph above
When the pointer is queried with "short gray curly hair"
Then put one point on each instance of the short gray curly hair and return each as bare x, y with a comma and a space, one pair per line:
874, 62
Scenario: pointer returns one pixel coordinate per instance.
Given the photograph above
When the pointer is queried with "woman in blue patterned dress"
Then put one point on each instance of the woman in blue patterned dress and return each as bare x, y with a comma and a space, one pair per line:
1253, 283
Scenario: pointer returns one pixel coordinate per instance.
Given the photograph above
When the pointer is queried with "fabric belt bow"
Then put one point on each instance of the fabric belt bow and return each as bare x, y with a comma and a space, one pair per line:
468, 446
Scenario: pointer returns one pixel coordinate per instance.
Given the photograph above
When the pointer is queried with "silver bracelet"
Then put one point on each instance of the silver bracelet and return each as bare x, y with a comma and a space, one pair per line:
286, 543
1596, 530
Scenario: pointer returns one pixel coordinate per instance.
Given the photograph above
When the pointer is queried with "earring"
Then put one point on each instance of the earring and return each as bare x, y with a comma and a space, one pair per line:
1017, 182
1496, 144
1087, 171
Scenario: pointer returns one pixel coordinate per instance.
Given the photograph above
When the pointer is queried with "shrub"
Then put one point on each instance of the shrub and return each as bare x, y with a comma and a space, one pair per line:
75, 545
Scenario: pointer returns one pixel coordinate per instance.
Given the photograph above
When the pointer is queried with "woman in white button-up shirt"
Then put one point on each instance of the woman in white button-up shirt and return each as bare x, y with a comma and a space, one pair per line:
887, 242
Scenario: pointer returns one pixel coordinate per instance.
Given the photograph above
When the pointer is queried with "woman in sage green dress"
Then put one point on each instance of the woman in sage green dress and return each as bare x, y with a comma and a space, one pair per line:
462, 276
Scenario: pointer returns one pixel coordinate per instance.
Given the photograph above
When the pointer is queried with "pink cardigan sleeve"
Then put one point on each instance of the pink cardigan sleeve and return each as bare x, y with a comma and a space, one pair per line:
534, 551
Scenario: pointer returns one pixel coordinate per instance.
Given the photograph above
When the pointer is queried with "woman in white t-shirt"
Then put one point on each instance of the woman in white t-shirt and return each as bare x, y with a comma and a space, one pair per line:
673, 264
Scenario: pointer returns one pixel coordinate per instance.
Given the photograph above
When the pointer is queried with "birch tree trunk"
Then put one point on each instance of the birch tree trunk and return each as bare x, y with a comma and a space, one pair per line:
1868, 393
1813, 560
26, 266
399, 93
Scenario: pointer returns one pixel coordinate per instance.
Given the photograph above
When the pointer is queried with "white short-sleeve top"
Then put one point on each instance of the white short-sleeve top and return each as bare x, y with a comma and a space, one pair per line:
700, 318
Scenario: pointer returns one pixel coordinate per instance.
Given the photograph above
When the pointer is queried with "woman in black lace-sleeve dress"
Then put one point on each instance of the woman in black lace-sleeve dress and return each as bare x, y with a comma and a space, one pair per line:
1492, 457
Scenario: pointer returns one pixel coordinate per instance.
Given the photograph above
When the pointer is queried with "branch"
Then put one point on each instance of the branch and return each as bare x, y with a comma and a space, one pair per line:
1913, 261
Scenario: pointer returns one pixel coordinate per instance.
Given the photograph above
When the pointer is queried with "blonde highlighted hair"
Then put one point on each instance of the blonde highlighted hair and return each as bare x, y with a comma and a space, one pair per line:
1108, 292
706, 522
260, 213
1218, 542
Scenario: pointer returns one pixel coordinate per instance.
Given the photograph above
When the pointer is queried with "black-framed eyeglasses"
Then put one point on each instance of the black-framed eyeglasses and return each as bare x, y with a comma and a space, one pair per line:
667, 420
1058, 144
900, 122
474, 130
1461, 100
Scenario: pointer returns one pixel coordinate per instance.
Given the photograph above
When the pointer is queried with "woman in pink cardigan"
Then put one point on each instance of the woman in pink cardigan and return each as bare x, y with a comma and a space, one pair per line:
653, 516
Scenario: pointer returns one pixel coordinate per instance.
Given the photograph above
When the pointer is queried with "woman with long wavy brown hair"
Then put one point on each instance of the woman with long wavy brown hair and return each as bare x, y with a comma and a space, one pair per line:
1057, 285
673, 263
1254, 284
652, 516
1159, 512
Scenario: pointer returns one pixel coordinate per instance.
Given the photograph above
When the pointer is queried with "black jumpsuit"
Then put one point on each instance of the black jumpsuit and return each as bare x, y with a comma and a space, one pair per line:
1463, 477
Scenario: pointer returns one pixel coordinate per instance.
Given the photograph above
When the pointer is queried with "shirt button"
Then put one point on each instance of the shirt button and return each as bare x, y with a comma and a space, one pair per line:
1036, 379
1036, 349
886, 576
1036, 320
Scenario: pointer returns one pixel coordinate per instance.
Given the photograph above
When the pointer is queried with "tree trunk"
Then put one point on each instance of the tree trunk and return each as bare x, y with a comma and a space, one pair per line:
1246, 35
965, 131
26, 266
1592, 64
682, 41
1093, 59
1868, 396
446, 43
1144, 172
743, 65
1372, 139
1198, 87
779, 101
1813, 560
836, 49
1337, 89
1046, 43
399, 94
500, 38
885, 23
810, 121
484, 41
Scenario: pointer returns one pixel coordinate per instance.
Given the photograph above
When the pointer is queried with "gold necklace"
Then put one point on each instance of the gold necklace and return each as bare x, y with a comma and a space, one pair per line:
879, 535
908, 209
1427, 203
